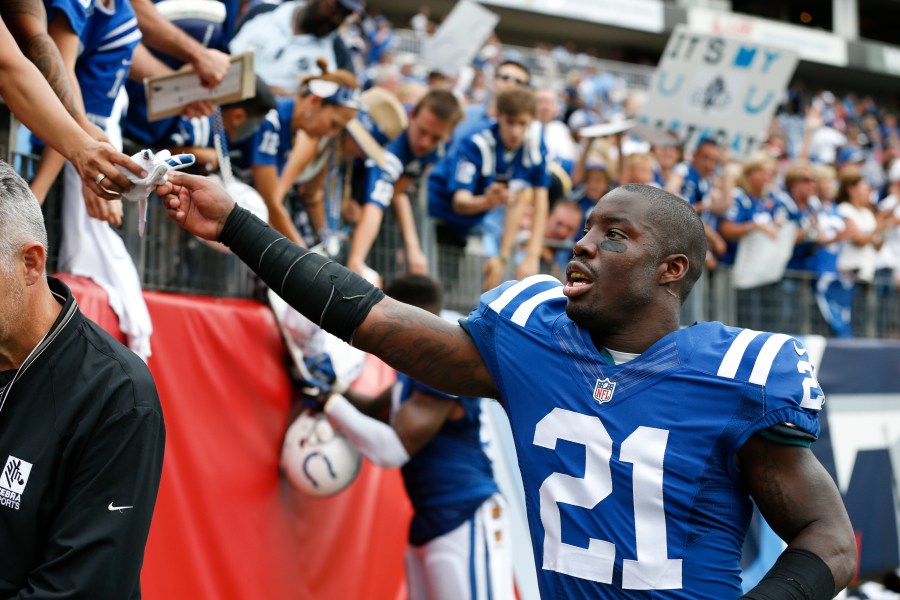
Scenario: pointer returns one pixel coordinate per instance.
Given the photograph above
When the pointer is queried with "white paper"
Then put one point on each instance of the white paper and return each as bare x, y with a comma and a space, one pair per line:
459, 37
760, 260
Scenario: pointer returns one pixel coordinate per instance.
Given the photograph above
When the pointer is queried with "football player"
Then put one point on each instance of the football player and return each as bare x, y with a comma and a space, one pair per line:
641, 445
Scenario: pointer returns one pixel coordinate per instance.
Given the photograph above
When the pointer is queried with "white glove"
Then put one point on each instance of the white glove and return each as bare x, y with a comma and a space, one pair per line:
157, 166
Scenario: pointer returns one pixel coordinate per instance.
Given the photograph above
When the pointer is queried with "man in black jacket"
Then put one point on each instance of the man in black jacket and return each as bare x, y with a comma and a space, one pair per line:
81, 430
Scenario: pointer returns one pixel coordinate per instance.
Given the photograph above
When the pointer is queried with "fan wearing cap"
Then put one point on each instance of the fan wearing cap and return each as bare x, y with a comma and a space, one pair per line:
419, 146
315, 165
289, 39
321, 109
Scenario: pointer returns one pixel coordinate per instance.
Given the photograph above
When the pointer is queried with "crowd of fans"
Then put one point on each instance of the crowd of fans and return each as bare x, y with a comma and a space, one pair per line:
346, 124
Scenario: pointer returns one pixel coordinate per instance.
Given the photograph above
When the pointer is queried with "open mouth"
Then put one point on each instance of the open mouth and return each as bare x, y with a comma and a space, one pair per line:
577, 282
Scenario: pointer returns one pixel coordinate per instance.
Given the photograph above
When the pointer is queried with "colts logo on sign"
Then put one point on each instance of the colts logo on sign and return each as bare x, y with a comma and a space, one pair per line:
603, 391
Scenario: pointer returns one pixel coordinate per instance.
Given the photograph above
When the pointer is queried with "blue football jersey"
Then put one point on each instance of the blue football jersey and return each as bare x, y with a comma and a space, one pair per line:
630, 483
399, 161
107, 44
476, 164
451, 476
75, 11
271, 144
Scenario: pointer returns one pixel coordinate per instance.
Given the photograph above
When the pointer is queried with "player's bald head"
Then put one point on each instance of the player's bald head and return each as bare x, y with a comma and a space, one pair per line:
677, 229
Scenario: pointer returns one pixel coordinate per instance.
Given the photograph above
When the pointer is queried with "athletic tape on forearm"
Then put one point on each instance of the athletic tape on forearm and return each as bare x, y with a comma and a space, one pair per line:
323, 291
796, 575
377, 441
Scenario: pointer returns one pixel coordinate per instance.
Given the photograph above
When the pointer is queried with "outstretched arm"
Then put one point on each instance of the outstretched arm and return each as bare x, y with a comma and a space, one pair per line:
27, 22
800, 501
32, 100
414, 341
161, 34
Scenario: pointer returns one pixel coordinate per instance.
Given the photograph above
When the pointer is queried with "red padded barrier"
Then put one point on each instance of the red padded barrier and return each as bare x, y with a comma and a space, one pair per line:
226, 525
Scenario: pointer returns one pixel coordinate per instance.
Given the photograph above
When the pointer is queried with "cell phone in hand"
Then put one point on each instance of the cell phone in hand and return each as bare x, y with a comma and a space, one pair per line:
502, 178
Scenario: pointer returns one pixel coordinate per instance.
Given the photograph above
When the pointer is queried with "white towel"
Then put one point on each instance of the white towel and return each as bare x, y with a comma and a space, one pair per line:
90, 248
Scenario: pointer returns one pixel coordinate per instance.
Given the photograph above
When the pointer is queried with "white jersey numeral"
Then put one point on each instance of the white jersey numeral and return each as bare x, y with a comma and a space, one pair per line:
645, 448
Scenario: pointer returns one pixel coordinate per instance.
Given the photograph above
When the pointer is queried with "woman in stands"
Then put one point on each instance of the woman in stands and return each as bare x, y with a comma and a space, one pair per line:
323, 106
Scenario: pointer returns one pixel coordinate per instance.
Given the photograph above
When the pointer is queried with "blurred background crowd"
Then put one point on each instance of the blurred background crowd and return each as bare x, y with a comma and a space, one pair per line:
358, 142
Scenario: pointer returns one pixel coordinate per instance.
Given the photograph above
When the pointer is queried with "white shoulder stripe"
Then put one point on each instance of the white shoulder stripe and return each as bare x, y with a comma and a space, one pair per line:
487, 154
732, 359
123, 41
131, 23
766, 357
516, 289
520, 317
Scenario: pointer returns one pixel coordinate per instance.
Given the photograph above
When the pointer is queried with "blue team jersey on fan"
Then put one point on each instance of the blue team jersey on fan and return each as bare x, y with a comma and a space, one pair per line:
107, 44
271, 145
630, 483
475, 166
76, 11
451, 476
399, 161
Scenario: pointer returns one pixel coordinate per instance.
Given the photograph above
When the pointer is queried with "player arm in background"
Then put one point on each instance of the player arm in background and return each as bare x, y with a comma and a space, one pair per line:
363, 420
161, 34
416, 261
417, 421
429, 349
27, 21
801, 503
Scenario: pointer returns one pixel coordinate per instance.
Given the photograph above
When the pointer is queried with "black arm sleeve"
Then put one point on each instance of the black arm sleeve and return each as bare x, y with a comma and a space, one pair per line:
796, 575
323, 291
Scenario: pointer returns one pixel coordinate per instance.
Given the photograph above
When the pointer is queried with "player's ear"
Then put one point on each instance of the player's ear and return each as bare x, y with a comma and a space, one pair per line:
673, 268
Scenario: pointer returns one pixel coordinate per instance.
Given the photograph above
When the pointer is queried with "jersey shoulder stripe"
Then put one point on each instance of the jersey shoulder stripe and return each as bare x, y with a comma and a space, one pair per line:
745, 348
520, 317
520, 288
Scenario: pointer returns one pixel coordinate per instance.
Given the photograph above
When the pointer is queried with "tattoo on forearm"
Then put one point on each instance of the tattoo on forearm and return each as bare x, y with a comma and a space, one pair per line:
42, 51
402, 341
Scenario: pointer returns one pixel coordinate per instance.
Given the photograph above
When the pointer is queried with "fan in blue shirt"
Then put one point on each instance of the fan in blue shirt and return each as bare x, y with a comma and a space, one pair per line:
406, 160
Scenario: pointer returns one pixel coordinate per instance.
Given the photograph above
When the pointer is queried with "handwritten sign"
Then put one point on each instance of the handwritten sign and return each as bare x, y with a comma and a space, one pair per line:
459, 37
710, 86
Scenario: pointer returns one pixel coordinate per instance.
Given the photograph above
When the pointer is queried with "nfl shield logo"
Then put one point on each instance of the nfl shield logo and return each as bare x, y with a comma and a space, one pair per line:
603, 391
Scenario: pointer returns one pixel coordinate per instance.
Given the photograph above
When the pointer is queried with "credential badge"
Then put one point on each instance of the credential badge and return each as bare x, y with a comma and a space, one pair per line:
603, 390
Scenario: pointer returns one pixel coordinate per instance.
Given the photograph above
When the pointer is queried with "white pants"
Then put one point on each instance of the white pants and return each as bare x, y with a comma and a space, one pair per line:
472, 562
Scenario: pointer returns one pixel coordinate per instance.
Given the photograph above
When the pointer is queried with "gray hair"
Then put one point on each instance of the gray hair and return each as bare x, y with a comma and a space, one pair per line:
21, 219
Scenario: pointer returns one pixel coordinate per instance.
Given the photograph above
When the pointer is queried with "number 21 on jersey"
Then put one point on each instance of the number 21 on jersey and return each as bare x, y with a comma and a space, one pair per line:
645, 449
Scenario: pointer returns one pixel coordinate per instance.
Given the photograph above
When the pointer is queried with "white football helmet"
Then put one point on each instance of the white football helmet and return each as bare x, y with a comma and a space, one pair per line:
315, 458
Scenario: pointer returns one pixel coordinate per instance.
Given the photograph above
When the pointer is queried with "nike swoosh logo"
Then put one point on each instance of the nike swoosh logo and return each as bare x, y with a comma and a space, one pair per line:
112, 507
799, 351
